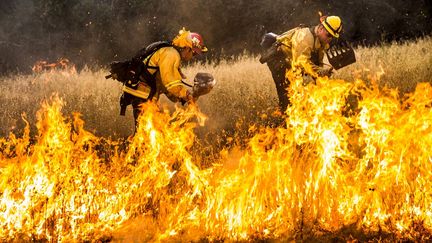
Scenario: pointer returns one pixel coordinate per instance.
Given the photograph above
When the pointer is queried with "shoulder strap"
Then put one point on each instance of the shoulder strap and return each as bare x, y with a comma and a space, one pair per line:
148, 53
311, 29
314, 54
150, 49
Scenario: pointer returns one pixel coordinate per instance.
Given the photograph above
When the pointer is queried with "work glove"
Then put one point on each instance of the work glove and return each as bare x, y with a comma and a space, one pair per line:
188, 98
325, 72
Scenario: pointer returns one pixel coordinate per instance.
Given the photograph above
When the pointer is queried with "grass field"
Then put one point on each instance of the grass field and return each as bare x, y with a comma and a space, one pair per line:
244, 90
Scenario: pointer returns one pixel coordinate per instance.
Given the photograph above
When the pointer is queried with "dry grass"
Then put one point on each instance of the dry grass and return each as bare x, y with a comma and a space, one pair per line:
86, 92
401, 65
244, 90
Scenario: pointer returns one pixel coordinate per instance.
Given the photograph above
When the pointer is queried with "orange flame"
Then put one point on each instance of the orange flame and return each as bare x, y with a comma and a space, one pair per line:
62, 64
326, 170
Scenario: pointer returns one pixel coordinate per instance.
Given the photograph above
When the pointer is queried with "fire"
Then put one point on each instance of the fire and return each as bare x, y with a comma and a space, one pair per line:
366, 168
62, 64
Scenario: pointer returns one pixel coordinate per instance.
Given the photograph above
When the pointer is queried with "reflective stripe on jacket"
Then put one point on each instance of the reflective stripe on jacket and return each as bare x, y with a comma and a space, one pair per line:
168, 78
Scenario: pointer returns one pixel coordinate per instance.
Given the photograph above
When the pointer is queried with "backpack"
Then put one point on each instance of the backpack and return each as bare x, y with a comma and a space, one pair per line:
129, 72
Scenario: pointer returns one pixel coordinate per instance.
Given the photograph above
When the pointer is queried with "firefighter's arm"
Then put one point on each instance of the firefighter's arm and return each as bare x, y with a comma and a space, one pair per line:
302, 46
171, 77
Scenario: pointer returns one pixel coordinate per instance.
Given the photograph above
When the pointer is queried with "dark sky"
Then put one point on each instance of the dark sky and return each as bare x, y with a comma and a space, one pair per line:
96, 32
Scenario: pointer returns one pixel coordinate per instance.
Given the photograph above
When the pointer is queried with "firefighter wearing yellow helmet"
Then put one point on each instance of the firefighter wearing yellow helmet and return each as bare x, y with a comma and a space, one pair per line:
332, 24
302, 47
162, 73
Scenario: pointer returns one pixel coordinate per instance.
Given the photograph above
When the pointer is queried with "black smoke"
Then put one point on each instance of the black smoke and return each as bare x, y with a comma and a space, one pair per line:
96, 32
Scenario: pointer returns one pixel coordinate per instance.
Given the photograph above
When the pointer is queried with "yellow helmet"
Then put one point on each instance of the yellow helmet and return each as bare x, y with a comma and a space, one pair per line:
333, 24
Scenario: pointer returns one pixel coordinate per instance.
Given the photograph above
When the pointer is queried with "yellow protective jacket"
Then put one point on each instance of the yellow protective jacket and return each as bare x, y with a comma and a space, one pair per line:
303, 49
168, 76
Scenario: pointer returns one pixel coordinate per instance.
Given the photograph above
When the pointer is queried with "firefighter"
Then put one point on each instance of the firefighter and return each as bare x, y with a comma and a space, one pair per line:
303, 47
164, 67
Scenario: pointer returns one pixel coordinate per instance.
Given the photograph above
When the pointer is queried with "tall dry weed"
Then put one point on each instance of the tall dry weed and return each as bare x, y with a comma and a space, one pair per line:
244, 92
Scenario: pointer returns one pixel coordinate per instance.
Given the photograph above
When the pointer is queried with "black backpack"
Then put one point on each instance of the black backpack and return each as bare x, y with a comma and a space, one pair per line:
129, 72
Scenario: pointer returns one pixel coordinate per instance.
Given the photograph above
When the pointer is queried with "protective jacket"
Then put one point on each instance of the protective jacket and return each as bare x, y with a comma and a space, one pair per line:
165, 63
302, 48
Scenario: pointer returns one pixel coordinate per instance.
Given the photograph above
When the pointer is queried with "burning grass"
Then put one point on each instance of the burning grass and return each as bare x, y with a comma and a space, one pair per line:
327, 174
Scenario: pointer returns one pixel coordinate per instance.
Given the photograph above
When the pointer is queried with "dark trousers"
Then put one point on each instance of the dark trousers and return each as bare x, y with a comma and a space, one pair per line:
278, 68
128, 99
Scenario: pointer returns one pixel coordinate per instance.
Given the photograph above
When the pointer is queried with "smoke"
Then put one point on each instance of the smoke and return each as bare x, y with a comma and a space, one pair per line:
96, 32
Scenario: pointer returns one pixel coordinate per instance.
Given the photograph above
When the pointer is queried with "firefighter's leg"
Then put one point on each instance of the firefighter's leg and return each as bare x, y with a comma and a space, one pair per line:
277, 69
136, 105
125, 100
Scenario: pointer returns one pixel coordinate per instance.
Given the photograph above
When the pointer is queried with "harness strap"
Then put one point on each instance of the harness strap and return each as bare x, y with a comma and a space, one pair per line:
314, 54
152, 81
149, 78
311, 29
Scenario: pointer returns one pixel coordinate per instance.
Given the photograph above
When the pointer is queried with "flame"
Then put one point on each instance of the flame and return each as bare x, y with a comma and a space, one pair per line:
62, 64
365, 166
